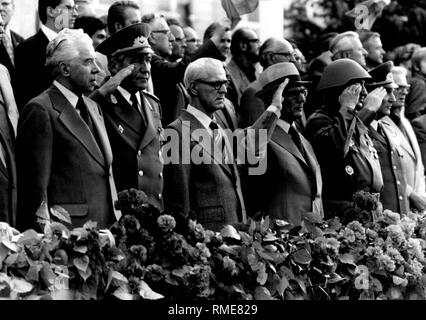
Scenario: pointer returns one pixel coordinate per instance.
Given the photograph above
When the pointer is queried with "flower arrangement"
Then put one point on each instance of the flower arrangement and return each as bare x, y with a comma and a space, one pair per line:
369, 253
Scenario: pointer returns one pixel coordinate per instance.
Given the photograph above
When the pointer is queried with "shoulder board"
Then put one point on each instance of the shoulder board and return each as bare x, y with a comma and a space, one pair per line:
150, 95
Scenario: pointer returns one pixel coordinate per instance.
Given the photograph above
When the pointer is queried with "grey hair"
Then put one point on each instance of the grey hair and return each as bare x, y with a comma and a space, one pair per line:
64, 48
199, 70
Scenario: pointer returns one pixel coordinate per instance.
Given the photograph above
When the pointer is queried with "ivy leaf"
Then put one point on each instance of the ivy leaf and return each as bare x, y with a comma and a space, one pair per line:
252, 227
29, 237
20, 286
65, 294
229, 231
146, 292
265, 224
82, 263
43, 212
123, 293
376, 285
287, 273
312, 217
399, 281
347, 258
283, 285
334, 278
11, 259
115, 275
3, 252
302, 256
301, 282
80, 249
261, 293
10, 245
61, 214
178, 273
394, 293
90, 225
171, 281
32, 274
85, 274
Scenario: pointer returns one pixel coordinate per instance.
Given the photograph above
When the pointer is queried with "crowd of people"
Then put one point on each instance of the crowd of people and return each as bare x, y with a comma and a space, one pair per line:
219, 127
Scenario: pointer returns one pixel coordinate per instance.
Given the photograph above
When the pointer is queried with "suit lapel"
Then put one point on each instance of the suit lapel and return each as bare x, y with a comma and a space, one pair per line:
195, 125
127, 113
69, 117
280, 137
150, 132
100, 130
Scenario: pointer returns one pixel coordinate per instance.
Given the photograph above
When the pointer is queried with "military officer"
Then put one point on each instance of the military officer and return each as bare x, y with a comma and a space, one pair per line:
132, 115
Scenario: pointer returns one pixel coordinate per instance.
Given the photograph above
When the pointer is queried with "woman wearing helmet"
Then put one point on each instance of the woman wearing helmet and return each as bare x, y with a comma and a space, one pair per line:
338, 132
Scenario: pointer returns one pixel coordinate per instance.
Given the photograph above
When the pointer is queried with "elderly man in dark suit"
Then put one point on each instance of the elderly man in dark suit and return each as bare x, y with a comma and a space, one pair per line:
203, 178
30, 59
292, 184
8, 38
63, 152
133, 116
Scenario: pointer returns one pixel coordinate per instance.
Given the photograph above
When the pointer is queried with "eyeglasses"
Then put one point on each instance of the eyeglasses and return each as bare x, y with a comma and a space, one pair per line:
215, 84
182, 40
401, 89
68, 7
191, 40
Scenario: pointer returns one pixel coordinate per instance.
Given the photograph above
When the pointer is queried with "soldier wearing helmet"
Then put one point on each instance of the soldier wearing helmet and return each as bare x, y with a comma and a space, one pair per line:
338, 132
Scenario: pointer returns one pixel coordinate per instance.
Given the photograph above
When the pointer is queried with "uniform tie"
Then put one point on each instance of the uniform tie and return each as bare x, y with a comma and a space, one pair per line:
137, 107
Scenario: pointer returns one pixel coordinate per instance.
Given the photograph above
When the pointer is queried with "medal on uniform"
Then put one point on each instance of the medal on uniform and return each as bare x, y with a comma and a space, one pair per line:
349, 170
120, 129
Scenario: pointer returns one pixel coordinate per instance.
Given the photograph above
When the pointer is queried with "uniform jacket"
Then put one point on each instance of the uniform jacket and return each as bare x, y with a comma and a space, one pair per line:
412, 159
210, 191
135, 146
385, 140
60, 162
4, 56
291, 185
31, 75
343, 175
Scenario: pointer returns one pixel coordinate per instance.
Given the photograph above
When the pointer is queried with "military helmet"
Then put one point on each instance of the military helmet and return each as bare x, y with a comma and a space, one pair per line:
340, 72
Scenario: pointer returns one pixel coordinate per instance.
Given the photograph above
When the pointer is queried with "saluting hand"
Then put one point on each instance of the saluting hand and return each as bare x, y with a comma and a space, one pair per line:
278, 98
350, 96
114, 82
374, 99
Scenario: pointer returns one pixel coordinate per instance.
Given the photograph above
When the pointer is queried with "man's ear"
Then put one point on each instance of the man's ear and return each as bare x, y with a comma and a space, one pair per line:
51, 12
118, 26
193, 89
64, 69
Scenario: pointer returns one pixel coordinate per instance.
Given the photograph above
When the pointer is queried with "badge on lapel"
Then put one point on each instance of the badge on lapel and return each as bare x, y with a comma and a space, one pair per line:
120, 129
114, 99
349, 170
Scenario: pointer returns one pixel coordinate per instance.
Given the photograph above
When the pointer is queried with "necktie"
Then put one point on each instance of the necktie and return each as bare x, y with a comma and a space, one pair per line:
137, 107
297, 141
218, 140
84, 113
7, 42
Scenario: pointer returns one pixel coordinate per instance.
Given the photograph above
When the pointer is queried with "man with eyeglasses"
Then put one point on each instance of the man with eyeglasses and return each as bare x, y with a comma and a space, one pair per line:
394, 193
9, 39
210, 188
192, 42
179, 44
292, 184
412, 157
243, 66
30, 59
271, 52
167, 75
